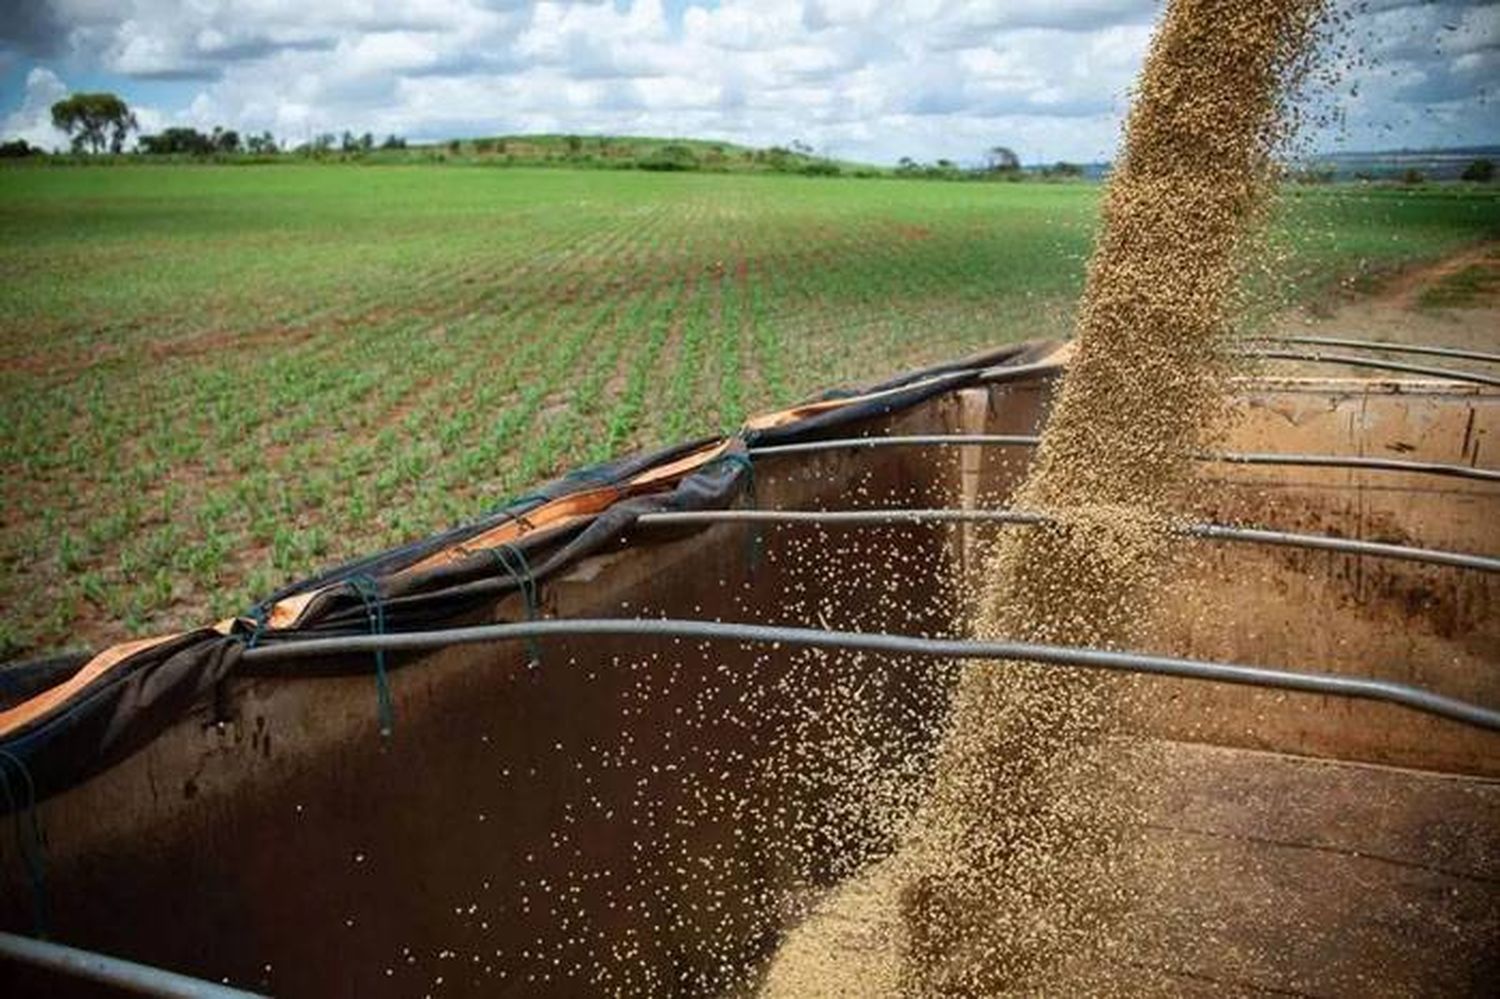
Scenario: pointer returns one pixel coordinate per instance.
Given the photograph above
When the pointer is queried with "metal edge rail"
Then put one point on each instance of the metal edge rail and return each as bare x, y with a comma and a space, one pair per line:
115, 972
999, 373
1231, 458
1358, 462
1217, 532
1432, 350
1407, 695
1321, 357
1347, 546
900, 440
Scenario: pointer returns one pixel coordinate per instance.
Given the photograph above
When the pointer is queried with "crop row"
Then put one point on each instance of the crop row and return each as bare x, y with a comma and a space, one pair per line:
200, 407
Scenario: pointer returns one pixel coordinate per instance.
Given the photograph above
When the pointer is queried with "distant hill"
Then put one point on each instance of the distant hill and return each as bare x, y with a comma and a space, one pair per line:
641, 153
1087, 171
1386, 164
1433, 164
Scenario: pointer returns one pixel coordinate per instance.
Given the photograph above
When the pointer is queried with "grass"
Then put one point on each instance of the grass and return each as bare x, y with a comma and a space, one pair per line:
216, 379
1462, 287
1467, 286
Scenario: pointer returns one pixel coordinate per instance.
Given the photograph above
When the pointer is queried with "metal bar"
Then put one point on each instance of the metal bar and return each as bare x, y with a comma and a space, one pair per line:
1416, 698
1350, 461
907, 440
1235, 458
1399, 348
892, 515
128, 976
1017, 372
1347, 546
1370, 362
1218, 532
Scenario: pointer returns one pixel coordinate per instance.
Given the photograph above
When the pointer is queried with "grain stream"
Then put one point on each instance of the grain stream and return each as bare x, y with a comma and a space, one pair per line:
1014, 865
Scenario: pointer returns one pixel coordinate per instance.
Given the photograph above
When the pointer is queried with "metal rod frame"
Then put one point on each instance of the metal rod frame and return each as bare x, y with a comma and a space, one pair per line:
1398, 348
1407, 695
127, 976
147, 980
1233, 458
1322, 357
1359, 462
1217, 532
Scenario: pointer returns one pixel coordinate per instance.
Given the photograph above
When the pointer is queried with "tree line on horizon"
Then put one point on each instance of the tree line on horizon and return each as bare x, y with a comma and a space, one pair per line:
102, 121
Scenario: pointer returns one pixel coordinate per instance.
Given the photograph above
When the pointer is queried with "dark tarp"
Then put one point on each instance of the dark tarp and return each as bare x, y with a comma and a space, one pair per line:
125, 707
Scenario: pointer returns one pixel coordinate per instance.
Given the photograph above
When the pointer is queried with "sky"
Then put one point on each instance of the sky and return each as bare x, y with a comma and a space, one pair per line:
870, 80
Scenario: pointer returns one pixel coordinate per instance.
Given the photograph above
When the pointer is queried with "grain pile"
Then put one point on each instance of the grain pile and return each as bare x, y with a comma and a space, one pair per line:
1011, 862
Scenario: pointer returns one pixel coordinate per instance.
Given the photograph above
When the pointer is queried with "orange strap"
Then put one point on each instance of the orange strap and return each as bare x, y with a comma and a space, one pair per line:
54, 697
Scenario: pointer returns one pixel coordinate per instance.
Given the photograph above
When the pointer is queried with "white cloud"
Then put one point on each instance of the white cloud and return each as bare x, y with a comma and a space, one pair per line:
32, 121
866, 78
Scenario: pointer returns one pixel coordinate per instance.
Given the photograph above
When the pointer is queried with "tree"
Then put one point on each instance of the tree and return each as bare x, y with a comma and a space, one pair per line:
351, 143
178, 140
393, 142
778, 157
1480, 170
94, 120
16, 149
225, 140
672, 156
262, 144
1002, 159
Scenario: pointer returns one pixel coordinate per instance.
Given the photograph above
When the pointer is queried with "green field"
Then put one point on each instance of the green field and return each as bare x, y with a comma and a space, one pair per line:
216, 379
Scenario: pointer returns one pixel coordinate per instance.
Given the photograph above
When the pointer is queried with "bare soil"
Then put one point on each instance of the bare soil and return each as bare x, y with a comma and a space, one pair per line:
1402, 310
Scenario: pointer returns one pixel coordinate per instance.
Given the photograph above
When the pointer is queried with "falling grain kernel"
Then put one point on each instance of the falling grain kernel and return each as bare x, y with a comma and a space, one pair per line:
1011, 866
